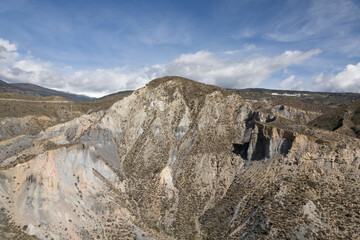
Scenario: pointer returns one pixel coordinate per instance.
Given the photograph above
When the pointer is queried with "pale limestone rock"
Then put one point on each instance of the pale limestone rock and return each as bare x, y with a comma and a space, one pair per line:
175, 160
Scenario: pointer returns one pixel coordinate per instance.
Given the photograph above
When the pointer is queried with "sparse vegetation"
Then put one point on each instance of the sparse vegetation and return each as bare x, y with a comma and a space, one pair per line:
207, 164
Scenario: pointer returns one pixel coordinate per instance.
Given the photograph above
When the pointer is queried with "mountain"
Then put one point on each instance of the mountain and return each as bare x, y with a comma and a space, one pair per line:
9, 88
178, 159
27, 89
26, 115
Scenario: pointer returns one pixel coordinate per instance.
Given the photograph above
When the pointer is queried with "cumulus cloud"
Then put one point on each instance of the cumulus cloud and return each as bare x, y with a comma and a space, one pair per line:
233, 73
8, 52
31, 71
7, 45
347, 80
202, 66
101, 82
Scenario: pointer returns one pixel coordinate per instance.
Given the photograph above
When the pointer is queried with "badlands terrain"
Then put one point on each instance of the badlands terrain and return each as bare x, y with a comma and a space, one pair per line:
178, 159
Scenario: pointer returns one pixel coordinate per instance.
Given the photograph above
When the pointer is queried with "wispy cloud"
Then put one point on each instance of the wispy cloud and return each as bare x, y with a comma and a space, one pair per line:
203, 66
334, 19
331, 25
286, 82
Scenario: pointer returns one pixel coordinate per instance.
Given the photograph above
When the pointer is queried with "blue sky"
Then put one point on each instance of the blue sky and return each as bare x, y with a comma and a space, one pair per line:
100, 47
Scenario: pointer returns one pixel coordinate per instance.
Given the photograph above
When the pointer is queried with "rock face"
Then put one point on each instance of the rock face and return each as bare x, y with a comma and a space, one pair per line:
29, 125
181, 160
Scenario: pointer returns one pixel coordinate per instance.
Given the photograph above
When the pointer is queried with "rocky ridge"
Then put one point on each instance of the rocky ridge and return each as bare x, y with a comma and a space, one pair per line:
182, 160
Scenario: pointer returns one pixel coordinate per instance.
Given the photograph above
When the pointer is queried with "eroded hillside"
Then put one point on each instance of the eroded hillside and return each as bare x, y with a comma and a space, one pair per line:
24, 115
182, 160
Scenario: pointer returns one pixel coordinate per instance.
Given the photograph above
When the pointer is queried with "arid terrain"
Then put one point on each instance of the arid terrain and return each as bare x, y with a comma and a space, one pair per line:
179, 159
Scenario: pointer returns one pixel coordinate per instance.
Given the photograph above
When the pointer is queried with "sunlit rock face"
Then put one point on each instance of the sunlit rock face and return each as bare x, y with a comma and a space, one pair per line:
181, 160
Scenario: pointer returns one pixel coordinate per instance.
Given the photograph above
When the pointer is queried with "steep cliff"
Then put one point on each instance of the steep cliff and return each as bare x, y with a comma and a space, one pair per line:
181, 160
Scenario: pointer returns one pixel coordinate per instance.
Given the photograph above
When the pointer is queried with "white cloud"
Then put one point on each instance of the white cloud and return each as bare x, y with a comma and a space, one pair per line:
202, 66
347, 80
101, 82
285, 83
7, 45
239, 73
8, 52
32, 71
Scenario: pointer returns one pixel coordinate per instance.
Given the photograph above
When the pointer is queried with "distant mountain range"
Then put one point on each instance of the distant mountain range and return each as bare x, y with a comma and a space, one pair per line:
28, 89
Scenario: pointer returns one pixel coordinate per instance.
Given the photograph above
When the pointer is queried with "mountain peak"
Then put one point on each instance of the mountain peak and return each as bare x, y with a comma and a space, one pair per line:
180, 81
157, 81
188, 87
192, 92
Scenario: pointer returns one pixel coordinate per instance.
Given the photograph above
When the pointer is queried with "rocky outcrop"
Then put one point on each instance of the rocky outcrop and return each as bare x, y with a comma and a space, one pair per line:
29, 125
179, 160
295, 114
343, 120
292, 186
